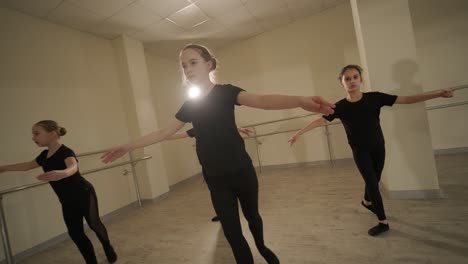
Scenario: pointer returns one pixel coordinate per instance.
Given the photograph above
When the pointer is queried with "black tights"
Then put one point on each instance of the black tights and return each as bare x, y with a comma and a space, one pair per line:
226, 190
73, 212
370, 164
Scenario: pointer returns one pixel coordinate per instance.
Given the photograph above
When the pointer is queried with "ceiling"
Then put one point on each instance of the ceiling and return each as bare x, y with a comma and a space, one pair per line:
164, 26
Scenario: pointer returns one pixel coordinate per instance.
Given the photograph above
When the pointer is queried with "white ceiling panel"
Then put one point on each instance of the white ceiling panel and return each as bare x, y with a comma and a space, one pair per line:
214, 8
161, 30
71, 15
165, 8
166, 25
33, 7
264, 7
188, 17
103, 7
134, 18
235, 17
302, 8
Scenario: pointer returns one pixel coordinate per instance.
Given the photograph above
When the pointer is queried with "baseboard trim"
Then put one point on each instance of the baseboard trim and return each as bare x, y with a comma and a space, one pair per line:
307, 163
451, 151
413, 194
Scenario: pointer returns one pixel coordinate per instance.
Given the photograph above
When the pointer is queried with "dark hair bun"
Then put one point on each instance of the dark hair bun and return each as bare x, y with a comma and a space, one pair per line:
62, 131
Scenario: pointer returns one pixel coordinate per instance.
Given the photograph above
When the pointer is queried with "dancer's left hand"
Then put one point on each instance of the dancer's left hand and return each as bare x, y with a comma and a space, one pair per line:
54, 175
446, 92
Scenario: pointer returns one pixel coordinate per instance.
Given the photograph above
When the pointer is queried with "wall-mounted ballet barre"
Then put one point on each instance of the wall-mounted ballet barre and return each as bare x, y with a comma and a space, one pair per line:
452, 104
446, 105
459, 87
255, 136
3, 225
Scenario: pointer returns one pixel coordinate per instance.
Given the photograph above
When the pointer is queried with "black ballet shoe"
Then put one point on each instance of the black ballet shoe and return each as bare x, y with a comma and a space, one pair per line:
215, 219
378, 229
368, 207
110, 254
269, 256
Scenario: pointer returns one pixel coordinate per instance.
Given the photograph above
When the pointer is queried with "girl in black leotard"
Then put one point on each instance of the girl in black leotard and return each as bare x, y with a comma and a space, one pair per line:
227, 167
360, 115
76, 194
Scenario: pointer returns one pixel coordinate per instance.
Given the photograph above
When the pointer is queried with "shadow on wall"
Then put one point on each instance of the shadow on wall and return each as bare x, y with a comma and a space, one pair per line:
404, 73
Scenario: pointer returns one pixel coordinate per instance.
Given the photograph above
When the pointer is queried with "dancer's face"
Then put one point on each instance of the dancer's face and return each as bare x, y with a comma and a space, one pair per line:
351, 80
42, 137
196, 69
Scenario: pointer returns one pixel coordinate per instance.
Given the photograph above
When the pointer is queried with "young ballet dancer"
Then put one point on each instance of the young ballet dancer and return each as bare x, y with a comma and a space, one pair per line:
227, 167
360, 115
76, 195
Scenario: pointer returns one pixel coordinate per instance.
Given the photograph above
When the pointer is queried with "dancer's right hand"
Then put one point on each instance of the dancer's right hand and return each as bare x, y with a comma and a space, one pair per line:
245, 130
446, 93
115, 153
293, 139
317, 104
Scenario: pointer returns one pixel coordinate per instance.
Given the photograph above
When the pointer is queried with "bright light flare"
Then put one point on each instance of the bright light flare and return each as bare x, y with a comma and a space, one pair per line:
194, 92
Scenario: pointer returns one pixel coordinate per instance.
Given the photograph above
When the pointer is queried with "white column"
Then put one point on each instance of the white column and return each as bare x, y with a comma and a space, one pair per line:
387, 49
140, 113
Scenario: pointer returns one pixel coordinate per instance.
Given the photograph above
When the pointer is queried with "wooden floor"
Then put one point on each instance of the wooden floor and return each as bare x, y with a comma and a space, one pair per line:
311, 215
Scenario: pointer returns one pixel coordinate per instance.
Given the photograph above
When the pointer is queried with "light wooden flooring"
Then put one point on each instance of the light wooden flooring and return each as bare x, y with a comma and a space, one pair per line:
311, 215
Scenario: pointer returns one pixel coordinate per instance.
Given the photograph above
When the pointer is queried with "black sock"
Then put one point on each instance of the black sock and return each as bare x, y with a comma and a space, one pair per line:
368, 207
110, 253
378, 229
269, 256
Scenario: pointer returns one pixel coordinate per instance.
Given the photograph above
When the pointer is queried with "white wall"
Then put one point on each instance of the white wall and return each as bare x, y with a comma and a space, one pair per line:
441, 31
388, 51
168, 96
52, 72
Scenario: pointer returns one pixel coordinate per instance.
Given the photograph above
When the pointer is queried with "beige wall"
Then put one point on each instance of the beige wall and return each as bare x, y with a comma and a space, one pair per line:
51, 72
168, 95
441, 31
